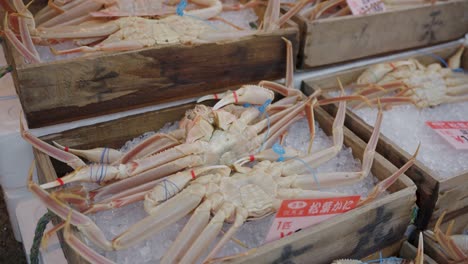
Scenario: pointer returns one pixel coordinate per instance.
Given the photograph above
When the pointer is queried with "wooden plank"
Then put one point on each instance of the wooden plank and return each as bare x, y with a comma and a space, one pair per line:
434, 195
347, 38
83, 87
356, 234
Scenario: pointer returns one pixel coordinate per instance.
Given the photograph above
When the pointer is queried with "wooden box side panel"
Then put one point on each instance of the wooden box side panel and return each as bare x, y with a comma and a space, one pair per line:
343, 39
84, 87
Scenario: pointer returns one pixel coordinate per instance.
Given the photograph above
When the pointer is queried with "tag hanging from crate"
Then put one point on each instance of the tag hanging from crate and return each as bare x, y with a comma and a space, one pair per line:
362, 7
293, 215
454, 132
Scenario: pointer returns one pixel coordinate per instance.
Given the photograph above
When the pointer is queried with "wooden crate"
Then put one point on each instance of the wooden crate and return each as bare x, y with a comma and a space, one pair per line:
434, 195
356, 233
71, 89
333, 40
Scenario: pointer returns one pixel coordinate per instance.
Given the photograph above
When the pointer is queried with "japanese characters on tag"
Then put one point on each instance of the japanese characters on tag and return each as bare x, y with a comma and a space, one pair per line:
294, 215
454, 132
361, 7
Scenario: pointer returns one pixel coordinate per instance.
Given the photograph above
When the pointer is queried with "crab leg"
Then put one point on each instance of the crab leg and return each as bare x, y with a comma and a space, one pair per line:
17, 44
241, 217
164, 215
198, 221
75, 12
385, 184
344, 178
271, 16
154, 144
208, 234
85, 251
316, 159
293, 11
101, 155
47, 13
68, 158
102, 29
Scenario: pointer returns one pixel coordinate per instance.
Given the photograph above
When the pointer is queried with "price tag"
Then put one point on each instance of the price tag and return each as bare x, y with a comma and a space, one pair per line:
361, 7
454, 132
294, 215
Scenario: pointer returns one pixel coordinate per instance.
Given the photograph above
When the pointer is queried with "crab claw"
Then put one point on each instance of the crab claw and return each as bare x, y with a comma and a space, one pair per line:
251, 94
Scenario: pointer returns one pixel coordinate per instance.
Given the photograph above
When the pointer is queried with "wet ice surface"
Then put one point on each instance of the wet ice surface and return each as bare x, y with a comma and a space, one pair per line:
406, 126
114, 222
242, 19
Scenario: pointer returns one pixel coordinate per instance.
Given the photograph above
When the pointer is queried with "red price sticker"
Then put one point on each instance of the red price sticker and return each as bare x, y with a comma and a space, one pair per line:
294, 215
361, 7
454, 132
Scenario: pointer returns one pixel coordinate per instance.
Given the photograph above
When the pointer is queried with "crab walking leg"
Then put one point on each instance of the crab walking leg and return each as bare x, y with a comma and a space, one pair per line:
343, 178
154, 144
198, 221
113, 46
47, 13
241, 217
77, 11
271, 16
101, 155
209, 233
68, 158
17, 44
385, 184
293, 11
316, 159
420, 251
85, 251
81, 221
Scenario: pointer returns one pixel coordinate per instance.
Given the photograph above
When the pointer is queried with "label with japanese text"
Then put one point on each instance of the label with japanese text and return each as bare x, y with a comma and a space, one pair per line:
294, 215
454, 132
361, 7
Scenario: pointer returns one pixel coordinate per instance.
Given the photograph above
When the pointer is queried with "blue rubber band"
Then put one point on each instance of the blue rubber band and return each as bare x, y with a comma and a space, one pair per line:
263, 107
381, 260
8, 97
278, 149
180, 7
435, 57
164, 184
310, 169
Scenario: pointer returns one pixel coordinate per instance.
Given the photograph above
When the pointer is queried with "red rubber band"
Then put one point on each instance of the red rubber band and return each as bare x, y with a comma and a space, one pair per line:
236, 99
193, 174
215, 96
60, 181
251, 158
66, 149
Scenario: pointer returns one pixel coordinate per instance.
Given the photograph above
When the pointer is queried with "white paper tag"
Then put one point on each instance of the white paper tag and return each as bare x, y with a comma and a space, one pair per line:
361, 7
294, 215
454, 132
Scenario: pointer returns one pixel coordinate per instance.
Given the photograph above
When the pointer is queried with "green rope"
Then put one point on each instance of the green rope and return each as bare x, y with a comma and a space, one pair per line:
38, 233
414, 214
4, 70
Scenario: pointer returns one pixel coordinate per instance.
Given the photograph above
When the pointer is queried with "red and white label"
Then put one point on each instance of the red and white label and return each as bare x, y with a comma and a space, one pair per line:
294, 215
454, 132
361, 7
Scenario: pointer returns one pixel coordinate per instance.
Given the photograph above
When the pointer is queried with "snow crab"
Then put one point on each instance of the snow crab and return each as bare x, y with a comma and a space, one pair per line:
92, 34
410, 82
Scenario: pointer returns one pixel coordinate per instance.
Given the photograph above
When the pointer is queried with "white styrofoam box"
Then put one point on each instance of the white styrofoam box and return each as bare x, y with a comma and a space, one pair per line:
12, 199
15, 159
28, 213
